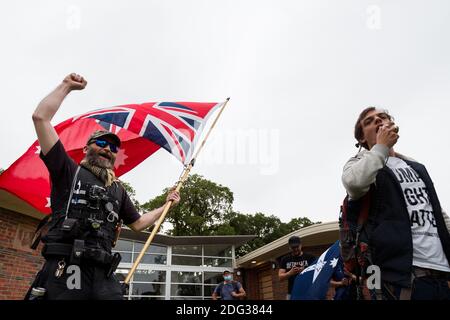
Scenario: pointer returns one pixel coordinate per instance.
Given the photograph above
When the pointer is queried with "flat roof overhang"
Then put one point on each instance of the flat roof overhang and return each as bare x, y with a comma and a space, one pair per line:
10, 202
315, 235
236, 240
13, 203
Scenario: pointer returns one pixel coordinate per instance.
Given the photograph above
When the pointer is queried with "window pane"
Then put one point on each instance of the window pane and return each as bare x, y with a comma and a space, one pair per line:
121, 274
124, 245
149, 276
152, 259
146, 298
217, 262
152, 249
187, 261
218, 250
186, 277
209, 290
186, 290
189, 250
213, 277
149, 289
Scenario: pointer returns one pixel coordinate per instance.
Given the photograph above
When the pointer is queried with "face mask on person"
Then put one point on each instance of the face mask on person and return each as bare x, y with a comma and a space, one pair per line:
228, 278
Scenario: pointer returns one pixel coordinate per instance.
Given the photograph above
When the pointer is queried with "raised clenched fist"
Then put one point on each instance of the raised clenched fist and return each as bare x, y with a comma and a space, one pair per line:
75, 82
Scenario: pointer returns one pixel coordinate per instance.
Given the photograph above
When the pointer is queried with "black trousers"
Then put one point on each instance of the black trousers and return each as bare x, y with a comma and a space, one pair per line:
423, 288
428, 288
92, 283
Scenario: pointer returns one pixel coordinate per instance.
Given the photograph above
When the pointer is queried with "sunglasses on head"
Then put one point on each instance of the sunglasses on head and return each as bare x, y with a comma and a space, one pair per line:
103, 143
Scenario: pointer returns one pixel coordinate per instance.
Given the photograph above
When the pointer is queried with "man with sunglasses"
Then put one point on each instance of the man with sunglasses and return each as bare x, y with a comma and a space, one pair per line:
88, 207
407, 231
294, 263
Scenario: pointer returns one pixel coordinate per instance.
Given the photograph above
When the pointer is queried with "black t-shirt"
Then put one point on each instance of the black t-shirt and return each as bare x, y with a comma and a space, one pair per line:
62, 170
290, 261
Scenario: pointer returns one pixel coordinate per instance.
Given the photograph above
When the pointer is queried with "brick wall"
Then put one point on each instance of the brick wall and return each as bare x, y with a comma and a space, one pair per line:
280, 288
18, 263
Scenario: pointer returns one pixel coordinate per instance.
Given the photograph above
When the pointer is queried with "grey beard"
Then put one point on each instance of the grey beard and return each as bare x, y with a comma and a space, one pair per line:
105, 175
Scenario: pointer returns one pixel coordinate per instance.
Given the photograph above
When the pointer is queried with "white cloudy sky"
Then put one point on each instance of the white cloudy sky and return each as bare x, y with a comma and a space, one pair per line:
298, 73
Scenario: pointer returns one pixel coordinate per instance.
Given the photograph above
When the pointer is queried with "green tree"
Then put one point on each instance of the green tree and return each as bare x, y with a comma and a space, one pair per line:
204, 205
298, 223
206, 209
266, 228
132, 194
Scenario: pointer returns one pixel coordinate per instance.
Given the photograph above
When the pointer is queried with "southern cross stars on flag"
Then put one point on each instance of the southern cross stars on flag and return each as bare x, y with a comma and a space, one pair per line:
313, 282
142, 128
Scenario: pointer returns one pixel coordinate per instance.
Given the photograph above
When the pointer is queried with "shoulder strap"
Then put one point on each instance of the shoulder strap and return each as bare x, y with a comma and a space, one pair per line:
48, 219
72, 189
364, 210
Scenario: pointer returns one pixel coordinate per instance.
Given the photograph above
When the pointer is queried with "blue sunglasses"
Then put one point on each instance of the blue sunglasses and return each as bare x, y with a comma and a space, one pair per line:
104, 143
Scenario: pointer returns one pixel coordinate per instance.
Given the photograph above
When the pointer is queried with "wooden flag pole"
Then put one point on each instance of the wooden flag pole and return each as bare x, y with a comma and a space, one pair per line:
168, 204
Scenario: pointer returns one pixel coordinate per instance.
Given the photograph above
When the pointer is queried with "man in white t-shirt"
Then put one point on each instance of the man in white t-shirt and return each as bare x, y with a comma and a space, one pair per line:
408, 231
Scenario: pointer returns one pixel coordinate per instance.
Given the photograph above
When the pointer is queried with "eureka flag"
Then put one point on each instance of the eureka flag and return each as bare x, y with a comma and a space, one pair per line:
313, 282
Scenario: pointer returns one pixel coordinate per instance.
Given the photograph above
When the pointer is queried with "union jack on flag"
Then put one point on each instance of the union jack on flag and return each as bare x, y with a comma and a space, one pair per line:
142, 128
174, 126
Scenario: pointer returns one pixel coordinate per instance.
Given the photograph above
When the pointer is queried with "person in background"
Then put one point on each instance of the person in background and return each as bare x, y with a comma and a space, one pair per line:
294, 263
228, 289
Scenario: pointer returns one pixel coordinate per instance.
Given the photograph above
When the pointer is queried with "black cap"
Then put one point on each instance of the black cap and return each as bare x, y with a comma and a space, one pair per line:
294, 241
103, 133
226, 271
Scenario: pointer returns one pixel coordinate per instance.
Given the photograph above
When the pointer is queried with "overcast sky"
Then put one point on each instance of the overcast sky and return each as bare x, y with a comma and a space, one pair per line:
298, 74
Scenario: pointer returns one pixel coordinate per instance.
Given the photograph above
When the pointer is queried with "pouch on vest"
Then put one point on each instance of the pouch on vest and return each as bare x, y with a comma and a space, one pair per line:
69, 227
77, 252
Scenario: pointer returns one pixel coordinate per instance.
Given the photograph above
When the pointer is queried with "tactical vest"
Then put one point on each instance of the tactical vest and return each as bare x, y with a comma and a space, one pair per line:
91, 218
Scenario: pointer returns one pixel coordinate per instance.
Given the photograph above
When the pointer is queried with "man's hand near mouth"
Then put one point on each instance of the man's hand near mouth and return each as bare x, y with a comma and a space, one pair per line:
387, 134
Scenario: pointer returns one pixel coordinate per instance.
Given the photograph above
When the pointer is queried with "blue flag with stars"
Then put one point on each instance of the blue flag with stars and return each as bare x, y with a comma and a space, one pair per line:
313, 282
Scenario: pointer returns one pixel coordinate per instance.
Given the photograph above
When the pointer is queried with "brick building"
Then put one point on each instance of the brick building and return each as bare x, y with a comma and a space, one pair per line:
18, 263
172, 268
258, 270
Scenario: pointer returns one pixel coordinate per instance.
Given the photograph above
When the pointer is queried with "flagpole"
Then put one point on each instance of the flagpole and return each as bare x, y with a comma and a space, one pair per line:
181, 181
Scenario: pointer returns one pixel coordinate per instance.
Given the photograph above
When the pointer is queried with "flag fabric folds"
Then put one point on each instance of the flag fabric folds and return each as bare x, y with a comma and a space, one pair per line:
142, 128
313, 282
